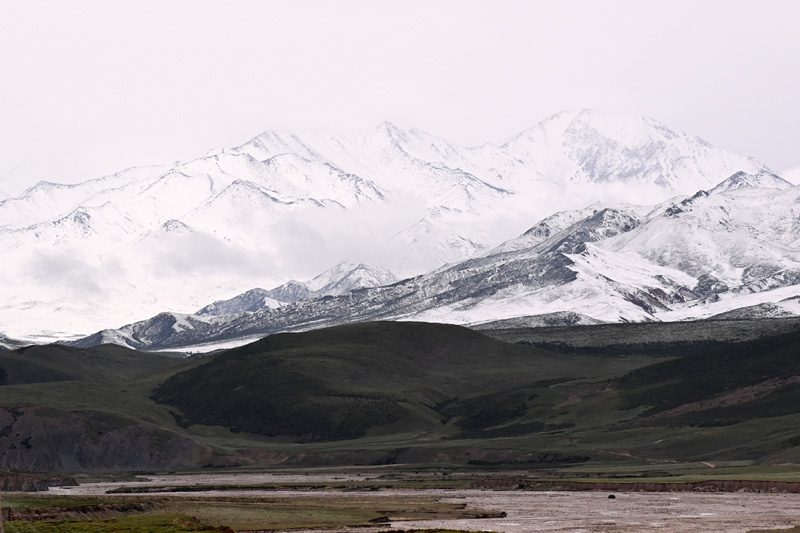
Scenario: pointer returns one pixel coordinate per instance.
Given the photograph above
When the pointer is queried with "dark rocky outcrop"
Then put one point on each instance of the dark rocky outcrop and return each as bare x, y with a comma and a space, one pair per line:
14, 482
43, 440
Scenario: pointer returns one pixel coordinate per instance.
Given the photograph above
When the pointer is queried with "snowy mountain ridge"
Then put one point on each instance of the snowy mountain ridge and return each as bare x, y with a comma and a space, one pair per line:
287, 205
702, 256
340, 279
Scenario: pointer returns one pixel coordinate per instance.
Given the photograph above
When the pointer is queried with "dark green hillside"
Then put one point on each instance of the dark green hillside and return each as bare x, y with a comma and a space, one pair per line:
408, 392
70, 409
740, 402
338, 383
404, 393
693, 378
39, 364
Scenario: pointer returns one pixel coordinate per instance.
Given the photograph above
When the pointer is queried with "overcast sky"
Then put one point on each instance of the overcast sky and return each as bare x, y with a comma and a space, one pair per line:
88, 88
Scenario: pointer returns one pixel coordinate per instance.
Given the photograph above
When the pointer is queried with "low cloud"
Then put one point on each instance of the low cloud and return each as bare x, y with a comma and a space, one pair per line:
319, 239
198, 254
63, 272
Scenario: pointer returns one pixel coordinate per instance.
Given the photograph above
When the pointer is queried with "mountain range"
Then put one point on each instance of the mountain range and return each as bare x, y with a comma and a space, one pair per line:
732, 252
391, 204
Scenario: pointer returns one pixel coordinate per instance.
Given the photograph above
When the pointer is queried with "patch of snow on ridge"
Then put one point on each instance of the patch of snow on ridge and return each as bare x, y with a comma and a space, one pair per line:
558, 318
193, 349
762, 310
628, 268
785, 297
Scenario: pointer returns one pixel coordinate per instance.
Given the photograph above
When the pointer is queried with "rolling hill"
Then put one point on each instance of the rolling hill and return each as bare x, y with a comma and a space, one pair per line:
394, 392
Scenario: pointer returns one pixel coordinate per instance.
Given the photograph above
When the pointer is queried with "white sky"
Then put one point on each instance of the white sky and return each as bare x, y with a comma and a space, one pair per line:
88, 88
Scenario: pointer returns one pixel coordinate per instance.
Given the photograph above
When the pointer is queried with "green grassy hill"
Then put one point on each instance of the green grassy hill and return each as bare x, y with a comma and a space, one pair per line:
741, 401
340, 382
40, 364
70, 409
390, 392
694, 378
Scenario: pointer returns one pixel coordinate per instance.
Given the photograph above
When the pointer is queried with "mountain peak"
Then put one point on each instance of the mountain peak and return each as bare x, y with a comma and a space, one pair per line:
589, 146
347, 276
395, 135
388, 126
611, 124
761, 180
176, 226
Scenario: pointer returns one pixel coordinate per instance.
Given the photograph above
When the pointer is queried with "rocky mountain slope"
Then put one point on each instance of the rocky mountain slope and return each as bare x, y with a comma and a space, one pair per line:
710, 253
288, 205
342, 278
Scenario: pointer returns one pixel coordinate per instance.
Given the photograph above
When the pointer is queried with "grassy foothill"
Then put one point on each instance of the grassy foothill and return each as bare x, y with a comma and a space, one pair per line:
404, 394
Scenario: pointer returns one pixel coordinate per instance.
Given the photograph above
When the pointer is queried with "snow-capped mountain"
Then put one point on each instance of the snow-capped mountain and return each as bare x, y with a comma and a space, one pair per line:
691, 258
287, 205
592, 147
247, 302
45, 200
346, 277
340, 279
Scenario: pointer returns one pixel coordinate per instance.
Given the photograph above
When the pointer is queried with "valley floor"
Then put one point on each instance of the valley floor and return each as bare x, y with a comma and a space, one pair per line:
627, 512
509, 511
